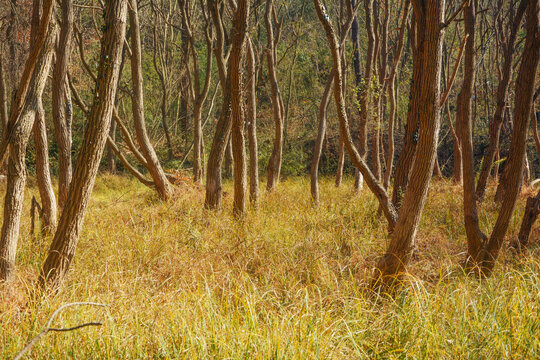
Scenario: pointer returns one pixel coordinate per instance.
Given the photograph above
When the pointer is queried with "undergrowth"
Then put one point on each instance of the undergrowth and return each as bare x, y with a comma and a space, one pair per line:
288, 281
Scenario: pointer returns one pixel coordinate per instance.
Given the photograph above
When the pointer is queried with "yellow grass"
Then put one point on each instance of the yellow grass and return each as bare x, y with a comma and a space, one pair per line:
286, 282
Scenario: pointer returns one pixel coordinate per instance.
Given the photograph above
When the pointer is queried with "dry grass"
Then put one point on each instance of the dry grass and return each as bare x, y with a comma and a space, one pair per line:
287, 281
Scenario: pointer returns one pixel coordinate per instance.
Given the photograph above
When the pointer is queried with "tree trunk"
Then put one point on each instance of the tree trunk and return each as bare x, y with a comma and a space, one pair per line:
61, 102
341, 163
252, 125
274, 163
532, 209
153, 165
323, 108
65, 240
429, 16
46, 192
237, 135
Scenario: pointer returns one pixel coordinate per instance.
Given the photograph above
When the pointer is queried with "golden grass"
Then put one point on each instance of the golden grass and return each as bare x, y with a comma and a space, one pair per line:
285, 282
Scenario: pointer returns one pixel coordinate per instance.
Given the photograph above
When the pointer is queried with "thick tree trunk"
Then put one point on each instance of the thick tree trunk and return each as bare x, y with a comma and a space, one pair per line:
18, 141
501, 101
237, 111
153, 165
274, 163
429, 16
252, 124
61, 102
65, 240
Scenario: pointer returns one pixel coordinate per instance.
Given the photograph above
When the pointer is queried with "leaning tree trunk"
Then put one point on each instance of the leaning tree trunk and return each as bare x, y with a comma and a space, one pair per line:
65, 240
18, 141
153, 165
429, 16
61, 102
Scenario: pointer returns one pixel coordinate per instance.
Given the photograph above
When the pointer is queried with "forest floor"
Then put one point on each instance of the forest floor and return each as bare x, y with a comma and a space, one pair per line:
286, 282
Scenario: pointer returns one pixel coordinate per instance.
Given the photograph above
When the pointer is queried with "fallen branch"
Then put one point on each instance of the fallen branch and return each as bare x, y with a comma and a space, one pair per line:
48, 328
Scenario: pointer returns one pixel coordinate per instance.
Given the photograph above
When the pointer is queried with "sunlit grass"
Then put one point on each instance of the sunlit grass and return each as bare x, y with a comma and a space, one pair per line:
286, 281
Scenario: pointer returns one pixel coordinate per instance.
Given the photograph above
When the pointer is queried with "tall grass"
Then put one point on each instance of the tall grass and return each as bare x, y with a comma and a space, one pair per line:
285, 282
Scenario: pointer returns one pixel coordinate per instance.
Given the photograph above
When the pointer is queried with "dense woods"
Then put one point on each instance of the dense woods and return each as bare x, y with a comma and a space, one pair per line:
217, 111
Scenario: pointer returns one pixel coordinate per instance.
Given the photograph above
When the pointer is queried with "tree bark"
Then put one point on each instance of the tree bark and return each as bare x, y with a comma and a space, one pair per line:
65, 240
237, 111
252, 124
429, 16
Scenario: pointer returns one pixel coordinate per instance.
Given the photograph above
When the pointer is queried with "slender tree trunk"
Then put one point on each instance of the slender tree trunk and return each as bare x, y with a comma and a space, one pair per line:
274, 163
46, 192
323, 107
65, 240
61, 102
252, 125
341, 163
153, 165
429, 16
